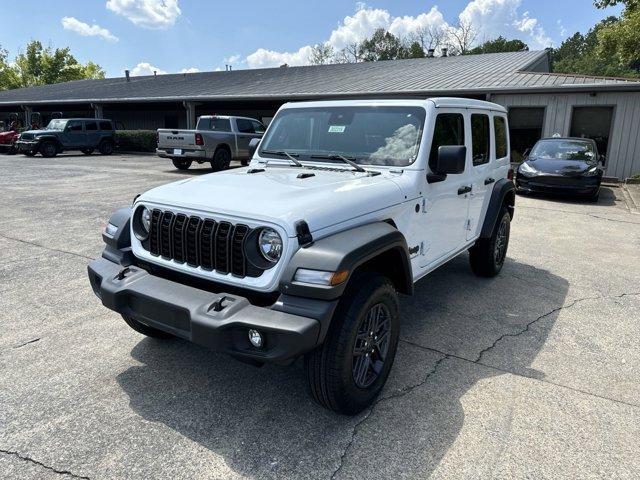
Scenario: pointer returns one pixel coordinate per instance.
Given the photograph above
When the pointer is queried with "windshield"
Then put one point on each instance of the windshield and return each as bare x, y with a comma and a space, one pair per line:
563, 150
367, 135
56, 124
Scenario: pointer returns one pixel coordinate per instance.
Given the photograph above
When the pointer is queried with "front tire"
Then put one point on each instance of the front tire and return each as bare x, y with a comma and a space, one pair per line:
488, 254
48, 149
29, 153
145, 329
347, 372
181, 164
221, 159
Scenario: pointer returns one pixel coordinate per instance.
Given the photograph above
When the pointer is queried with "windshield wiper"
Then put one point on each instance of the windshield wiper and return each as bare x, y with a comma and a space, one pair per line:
335, 156
284, 153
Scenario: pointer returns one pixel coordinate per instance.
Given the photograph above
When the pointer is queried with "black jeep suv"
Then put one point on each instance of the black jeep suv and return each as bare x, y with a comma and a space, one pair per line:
83, 134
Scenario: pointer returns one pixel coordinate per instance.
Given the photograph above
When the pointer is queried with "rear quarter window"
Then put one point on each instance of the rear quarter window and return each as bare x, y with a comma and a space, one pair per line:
500, 128
480, 138
106, 125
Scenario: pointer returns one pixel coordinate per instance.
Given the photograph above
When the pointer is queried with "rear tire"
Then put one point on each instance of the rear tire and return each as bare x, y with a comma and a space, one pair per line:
106, 147
221, 159
145, 329
488, 254
347, 372
594, 198
48, 149
181, 164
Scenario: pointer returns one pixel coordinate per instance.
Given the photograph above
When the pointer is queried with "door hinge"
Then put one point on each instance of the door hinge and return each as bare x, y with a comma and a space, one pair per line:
424, 205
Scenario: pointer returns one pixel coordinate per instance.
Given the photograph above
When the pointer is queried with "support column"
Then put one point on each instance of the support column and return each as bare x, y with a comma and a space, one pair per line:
27, 115
97, 110
190, 108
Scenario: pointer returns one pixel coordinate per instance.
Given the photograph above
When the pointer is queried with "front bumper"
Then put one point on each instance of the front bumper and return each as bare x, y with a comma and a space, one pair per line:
27, 145
186, 154
190, 313
560, 185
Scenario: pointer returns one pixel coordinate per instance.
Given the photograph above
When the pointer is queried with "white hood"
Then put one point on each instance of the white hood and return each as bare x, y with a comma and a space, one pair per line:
278, 196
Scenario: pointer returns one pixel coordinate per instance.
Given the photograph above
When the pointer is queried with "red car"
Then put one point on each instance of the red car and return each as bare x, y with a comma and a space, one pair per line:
7, 141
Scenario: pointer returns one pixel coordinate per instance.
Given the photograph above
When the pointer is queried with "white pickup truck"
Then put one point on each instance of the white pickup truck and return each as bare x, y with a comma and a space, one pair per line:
217, 139
345, 205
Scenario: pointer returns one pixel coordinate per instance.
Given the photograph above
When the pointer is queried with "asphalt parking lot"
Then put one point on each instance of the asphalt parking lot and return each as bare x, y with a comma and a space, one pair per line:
533, 374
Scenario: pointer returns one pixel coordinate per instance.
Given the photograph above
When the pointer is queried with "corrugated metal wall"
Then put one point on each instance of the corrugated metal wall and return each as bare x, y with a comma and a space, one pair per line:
623, 157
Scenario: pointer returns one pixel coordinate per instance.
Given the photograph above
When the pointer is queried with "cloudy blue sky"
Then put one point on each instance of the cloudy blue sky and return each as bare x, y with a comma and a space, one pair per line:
188, 35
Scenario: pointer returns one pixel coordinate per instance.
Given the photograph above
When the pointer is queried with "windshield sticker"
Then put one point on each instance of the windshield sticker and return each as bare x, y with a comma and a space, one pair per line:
337, 128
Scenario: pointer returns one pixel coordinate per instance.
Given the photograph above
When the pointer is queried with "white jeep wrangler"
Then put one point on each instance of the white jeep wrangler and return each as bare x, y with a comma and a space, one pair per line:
345, 205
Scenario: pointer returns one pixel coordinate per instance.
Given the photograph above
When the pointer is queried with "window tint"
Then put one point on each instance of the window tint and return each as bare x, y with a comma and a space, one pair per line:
106, 126
449, 130
220, 124
74, 126
500, 128
480, 138
91, 126
244, 126
257, 126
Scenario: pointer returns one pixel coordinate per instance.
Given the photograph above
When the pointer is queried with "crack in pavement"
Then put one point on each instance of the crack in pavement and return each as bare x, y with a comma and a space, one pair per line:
593, 215
47, 467
397, 394
444, 356
27, 343
46, 248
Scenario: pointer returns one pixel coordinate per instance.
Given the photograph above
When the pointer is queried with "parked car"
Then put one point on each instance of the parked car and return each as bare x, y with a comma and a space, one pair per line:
217, 139
7, 141
345, 205
562, 166
83, 134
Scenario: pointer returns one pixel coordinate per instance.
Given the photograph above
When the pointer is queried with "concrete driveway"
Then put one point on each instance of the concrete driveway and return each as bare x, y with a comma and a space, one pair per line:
533, 374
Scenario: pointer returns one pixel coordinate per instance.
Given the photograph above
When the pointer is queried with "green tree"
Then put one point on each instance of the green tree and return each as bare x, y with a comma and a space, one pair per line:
499, 45
415, 50
580, 54
39, 65
620, 41
382, 45
321, 54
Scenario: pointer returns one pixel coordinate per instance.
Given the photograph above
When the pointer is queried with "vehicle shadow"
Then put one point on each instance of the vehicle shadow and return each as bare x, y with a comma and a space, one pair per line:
607, 197
264, 424
198, 169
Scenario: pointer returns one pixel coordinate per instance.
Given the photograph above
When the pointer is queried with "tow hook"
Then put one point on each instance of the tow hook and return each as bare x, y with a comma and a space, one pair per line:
122, 273
218, 306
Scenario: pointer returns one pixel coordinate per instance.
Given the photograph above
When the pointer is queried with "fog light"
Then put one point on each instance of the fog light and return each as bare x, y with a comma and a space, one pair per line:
255, 337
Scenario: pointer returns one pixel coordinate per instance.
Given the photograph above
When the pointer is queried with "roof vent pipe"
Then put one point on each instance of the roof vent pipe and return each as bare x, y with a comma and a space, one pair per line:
445, 52
431, 53
155, 73
126, 74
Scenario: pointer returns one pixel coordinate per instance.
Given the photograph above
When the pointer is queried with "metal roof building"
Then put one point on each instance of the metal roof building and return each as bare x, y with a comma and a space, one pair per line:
540, 103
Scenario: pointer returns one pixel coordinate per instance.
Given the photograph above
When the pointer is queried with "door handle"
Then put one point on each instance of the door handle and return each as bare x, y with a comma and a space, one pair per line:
489, 181
463, 190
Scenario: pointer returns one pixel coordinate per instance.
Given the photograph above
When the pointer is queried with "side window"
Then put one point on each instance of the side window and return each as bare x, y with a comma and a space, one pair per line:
91, 126
220, 125
244, 126
257, 126
106, 126
74, 126
480, 138
449, 130
500, 129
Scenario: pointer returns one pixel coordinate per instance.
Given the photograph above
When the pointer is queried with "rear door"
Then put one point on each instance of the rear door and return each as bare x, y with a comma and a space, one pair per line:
92, 132
446, 203
481, 176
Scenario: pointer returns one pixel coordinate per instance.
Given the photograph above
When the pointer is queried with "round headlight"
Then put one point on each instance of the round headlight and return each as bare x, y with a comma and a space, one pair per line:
270, 244
145, 219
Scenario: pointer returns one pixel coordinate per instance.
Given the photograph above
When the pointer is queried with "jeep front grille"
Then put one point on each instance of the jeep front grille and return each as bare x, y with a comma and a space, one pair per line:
200, 242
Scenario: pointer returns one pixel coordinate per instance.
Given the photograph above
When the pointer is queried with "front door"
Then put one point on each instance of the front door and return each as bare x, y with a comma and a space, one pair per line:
74, 135
446, 202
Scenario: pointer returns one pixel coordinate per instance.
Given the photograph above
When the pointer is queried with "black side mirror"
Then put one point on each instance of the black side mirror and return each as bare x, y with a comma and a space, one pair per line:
451, 160
253, 146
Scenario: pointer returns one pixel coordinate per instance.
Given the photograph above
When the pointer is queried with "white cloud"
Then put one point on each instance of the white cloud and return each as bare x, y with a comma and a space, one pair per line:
86, 30
145, 68
147, 13
490, 18
190, 70
233, 59
263, 58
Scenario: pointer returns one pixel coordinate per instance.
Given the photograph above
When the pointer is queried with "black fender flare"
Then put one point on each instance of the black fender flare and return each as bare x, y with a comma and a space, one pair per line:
50, 138
348, 250
504, 192
118, 246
